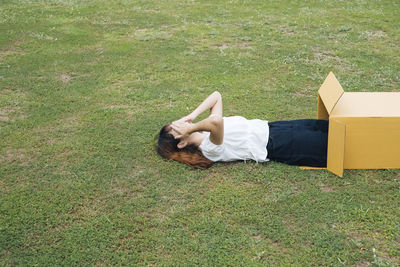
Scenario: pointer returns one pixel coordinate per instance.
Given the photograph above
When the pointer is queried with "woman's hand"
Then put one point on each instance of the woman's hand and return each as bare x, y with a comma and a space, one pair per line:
189, 118
182, 129
213, 102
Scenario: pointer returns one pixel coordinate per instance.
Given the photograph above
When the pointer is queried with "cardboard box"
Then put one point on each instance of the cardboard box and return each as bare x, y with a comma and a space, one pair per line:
364, 127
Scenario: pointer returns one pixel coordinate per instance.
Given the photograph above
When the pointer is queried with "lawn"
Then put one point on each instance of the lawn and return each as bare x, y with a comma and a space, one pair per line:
85, 87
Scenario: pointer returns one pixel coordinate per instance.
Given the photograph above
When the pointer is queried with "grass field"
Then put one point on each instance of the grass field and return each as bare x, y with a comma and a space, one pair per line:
86, 86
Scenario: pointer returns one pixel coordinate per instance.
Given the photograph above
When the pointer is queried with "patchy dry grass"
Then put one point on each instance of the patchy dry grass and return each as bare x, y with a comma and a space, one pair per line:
86, 86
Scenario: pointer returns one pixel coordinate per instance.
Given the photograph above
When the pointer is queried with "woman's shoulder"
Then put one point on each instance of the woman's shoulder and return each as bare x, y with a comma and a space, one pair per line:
243, 119
236, 117
211, 150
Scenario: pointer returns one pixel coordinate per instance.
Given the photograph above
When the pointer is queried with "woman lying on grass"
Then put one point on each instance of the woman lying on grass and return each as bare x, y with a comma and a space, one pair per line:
218, 138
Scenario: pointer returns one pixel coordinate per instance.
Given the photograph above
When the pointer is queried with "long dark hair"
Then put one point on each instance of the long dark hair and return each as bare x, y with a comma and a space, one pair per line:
191, 155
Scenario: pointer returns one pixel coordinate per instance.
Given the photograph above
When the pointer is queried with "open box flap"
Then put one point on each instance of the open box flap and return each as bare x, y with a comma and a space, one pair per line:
336, 146
368, 105
328, 95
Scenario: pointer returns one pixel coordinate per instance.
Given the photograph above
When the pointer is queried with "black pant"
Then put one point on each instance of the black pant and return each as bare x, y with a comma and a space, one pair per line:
298, 142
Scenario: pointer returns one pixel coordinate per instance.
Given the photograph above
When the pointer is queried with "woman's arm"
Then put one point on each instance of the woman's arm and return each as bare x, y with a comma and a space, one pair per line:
214, 125
212, 102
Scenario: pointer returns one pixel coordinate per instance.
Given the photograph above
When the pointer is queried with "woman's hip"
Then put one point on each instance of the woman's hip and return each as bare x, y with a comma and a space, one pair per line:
298, 142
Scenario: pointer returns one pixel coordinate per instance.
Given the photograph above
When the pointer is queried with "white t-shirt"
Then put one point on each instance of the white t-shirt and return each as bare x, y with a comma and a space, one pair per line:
243, 139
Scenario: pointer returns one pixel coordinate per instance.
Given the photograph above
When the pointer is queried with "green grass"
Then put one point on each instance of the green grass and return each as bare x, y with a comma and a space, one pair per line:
86, 86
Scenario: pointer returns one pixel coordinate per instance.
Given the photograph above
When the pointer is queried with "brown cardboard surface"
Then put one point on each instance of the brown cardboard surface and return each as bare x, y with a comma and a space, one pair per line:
311, 168
363, 104
364, 127
372, 143
330, 92
336, 146
321, 110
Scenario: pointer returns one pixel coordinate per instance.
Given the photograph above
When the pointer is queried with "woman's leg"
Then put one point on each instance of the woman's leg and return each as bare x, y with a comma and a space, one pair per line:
311, 124
299, 142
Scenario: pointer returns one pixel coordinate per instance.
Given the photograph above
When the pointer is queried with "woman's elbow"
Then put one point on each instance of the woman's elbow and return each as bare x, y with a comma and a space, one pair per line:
217, 94
217, 120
